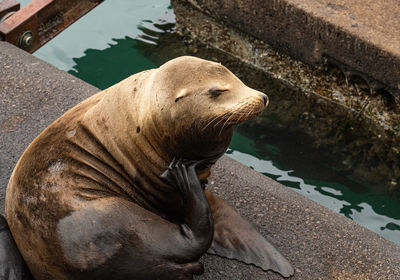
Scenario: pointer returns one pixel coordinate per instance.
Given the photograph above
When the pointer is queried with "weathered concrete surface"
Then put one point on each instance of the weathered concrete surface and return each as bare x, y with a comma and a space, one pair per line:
361, 35
319, 243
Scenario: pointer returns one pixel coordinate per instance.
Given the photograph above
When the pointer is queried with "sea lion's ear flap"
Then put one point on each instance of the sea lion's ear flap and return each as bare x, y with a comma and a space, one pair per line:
235, 238
181, 94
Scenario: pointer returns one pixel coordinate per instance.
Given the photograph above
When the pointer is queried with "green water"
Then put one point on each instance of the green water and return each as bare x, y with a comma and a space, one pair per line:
120, 38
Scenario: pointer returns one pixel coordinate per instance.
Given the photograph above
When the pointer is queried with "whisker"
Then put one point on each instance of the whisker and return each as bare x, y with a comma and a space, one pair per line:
212, 121
222, 118
234, 114
227, 120
243, 115
241, 111
249, 112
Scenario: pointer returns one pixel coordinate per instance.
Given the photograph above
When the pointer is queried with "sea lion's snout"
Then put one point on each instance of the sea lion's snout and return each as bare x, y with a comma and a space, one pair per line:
255, 103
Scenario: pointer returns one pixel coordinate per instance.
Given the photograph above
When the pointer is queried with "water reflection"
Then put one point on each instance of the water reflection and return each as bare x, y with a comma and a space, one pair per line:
377, 212
123, 57
103, 68
117, 19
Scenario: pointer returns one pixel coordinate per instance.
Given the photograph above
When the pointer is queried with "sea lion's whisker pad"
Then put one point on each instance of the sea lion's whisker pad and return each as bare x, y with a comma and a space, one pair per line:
130, 200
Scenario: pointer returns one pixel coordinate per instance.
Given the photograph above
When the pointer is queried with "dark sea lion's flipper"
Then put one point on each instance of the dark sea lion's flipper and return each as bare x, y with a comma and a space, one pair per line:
12, 266
235, 238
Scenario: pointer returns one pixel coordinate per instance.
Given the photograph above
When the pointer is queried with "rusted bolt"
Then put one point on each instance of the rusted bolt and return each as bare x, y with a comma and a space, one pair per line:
25, 40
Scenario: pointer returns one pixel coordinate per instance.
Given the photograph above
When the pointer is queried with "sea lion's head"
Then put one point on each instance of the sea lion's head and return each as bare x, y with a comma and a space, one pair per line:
195, 104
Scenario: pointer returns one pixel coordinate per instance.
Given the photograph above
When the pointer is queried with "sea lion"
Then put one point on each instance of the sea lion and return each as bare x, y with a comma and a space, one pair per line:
115, 188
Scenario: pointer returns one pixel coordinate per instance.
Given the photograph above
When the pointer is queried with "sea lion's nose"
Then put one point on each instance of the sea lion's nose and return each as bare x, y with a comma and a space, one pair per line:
265, 98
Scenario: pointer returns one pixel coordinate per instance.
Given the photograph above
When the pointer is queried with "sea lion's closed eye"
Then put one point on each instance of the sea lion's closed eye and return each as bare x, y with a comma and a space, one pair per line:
215, 92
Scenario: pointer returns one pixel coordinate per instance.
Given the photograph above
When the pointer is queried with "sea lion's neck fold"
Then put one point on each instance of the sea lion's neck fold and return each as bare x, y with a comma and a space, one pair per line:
136, 150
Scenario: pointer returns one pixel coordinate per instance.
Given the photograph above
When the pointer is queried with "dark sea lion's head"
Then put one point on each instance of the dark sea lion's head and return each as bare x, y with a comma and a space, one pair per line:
195, 104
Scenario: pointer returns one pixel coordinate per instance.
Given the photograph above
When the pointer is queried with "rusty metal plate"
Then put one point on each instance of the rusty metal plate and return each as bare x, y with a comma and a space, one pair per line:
41, 20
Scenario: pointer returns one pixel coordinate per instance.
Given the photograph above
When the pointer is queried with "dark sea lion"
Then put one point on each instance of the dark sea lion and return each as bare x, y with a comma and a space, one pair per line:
114, 189
12, 266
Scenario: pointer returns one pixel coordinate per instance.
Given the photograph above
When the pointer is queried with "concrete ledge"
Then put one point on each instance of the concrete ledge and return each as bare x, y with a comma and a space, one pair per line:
361, 35
319, 243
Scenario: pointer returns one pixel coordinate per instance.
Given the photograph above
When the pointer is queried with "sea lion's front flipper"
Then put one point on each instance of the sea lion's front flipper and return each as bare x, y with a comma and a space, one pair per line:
235, 238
